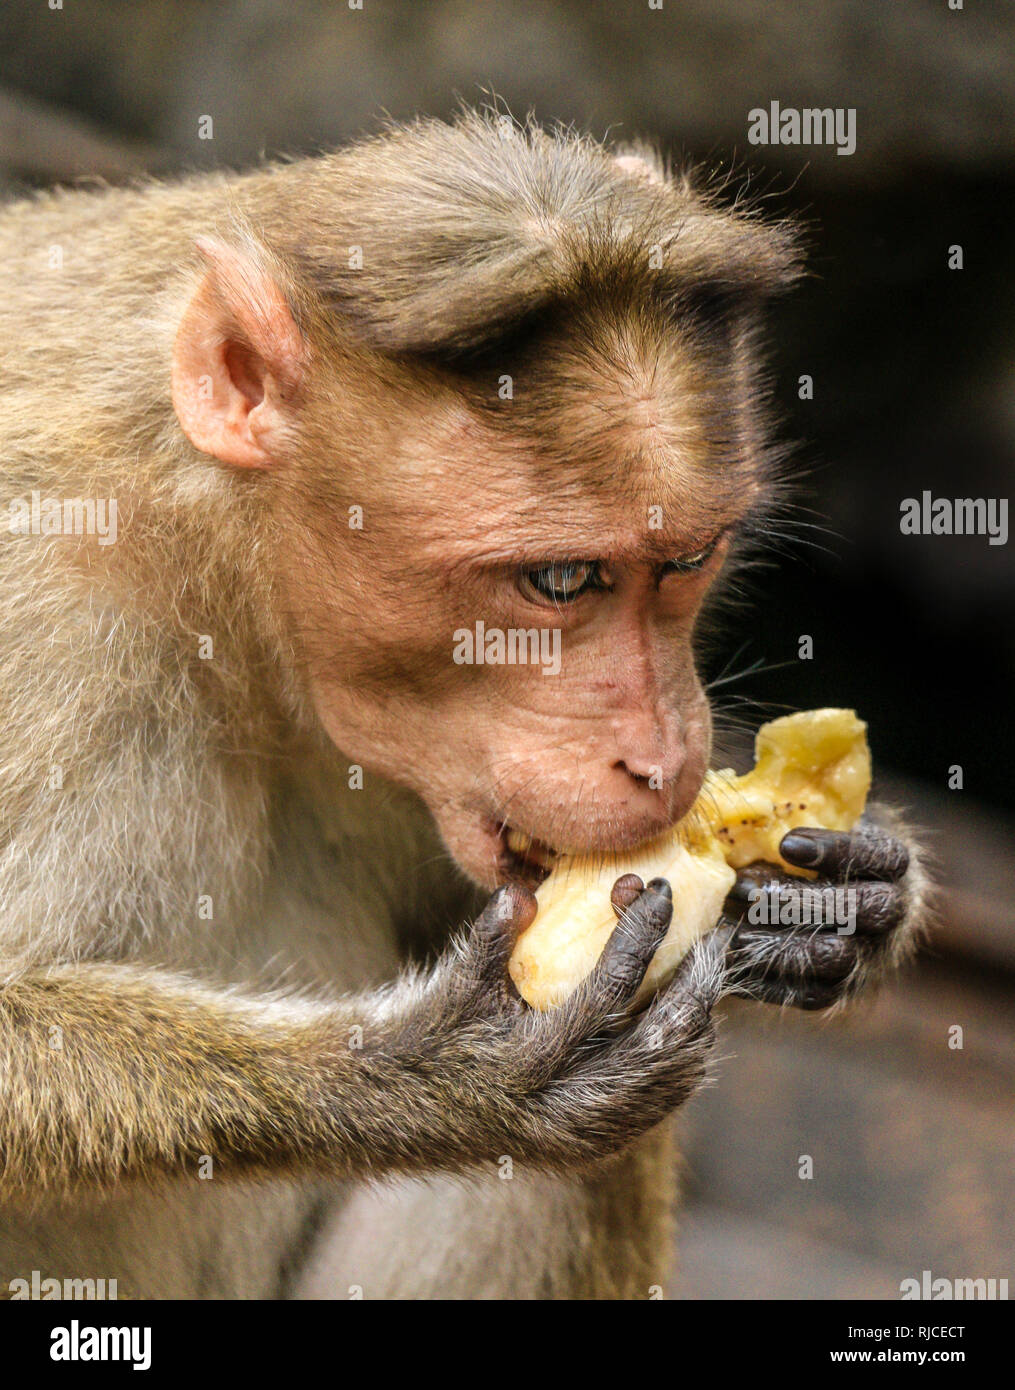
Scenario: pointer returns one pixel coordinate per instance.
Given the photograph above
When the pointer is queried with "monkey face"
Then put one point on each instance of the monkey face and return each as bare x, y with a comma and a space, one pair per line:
492, 551
513, 639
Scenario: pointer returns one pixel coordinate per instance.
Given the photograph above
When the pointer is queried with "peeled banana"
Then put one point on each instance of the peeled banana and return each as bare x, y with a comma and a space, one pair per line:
810, 769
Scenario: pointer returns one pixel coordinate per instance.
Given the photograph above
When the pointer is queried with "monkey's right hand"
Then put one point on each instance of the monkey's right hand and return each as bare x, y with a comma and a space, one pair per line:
573, 1083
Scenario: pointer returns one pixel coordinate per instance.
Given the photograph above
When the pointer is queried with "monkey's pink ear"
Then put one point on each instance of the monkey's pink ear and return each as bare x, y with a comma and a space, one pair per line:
237, 361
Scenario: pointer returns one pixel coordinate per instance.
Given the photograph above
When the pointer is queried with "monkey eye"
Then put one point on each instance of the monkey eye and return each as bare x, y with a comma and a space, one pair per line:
687, 564
559, 583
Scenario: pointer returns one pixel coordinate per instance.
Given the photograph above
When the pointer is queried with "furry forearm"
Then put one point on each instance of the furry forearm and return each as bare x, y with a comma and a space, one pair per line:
113, 1073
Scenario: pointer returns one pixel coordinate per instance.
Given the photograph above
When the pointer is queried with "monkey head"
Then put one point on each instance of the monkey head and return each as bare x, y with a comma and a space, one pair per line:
500, 473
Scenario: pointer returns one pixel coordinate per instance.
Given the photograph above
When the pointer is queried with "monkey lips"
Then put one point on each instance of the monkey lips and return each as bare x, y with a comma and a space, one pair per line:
523, 857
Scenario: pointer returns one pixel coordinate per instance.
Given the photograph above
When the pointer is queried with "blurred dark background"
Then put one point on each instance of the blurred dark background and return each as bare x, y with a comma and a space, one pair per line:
914, 389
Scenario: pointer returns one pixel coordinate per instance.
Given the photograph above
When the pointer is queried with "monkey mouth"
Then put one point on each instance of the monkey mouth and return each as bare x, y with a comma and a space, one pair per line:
524, 858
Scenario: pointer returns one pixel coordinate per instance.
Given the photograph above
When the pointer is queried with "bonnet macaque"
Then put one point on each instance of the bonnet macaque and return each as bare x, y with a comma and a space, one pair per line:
283, 452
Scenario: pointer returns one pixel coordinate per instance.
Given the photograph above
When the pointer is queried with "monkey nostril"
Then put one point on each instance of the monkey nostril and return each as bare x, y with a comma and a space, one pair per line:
643, 774
623, 767
651, 774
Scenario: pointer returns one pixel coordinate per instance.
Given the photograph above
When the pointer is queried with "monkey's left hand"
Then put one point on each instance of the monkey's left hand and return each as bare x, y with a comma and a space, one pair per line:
809, 950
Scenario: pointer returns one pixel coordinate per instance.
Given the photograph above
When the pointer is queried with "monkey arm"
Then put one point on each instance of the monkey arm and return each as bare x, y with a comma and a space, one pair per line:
114, 1072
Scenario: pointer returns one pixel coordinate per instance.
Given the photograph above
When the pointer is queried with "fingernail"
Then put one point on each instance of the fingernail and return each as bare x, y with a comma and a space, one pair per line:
800, 848
660, 886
